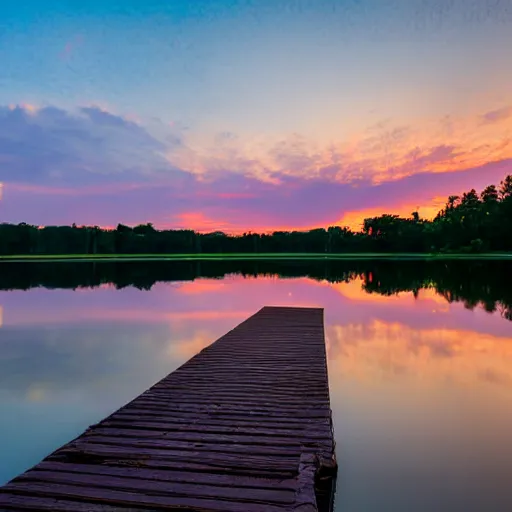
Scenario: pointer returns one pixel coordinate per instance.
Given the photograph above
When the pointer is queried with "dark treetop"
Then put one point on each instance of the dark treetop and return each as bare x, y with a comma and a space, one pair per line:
470, 223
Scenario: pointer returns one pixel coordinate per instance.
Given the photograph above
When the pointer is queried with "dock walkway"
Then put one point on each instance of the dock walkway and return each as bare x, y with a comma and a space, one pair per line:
244, 426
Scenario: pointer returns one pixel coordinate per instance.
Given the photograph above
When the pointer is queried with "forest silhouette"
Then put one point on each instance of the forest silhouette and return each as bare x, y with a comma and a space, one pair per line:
471, 223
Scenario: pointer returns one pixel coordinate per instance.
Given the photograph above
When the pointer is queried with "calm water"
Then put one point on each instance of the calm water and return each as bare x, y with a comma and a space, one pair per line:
420, 363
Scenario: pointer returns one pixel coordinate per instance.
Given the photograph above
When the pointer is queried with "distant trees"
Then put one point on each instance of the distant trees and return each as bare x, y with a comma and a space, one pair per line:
469, 223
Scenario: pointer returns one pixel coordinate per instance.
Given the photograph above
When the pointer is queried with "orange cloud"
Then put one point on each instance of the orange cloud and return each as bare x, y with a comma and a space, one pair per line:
354, 219
199, 222
302, 171
382, 152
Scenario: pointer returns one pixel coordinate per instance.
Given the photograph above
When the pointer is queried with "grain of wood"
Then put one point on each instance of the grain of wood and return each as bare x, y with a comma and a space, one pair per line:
245, 425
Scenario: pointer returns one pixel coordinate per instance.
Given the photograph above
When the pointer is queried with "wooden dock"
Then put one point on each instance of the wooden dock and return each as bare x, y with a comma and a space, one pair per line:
243, 426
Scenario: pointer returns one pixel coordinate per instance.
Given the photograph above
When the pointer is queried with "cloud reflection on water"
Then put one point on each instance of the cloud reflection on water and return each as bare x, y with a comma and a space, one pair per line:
419, 386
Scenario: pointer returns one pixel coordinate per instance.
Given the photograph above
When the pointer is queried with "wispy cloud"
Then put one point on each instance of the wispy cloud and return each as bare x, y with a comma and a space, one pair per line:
383, 152
495, 116
93, 166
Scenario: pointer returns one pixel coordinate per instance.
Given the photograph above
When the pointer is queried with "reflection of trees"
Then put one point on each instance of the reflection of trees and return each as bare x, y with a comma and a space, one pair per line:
485, 284
144, 275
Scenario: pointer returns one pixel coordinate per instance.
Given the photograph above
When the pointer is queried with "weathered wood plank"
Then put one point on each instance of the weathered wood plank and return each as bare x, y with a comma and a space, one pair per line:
239, 410
260, 419
106, 456
131, 499
233, 460
166, 475
183, 447
270, 389
204, 419
245, 425
173, 447
201, 436
290, 406
273, 399
223, 428
161, 488
18, 502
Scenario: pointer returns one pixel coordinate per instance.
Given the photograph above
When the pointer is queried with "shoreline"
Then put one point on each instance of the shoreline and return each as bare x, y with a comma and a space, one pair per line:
68, 258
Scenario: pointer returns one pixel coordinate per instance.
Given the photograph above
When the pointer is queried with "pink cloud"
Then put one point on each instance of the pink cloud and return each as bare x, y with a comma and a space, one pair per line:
495, 116
297, 203
95, 167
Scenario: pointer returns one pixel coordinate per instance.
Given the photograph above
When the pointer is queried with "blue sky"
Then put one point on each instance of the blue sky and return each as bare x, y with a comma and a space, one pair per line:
236, 82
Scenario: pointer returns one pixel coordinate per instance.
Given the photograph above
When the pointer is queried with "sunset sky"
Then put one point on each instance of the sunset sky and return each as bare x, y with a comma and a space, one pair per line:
240, 115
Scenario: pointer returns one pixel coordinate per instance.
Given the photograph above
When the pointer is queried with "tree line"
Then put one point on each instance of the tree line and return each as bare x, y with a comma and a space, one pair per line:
474, 222
475, 284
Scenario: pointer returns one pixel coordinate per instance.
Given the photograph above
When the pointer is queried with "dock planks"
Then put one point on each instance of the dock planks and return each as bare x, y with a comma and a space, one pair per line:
245, 425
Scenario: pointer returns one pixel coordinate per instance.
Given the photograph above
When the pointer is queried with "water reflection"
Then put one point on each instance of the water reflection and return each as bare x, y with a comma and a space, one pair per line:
420, 370
485, 284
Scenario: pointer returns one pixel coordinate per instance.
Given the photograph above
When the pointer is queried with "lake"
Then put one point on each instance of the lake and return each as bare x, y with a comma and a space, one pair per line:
419, 355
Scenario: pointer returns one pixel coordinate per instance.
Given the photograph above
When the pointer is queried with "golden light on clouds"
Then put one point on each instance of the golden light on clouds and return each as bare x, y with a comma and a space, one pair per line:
27, 107
382, 152
199, 222
355, 219
32, 109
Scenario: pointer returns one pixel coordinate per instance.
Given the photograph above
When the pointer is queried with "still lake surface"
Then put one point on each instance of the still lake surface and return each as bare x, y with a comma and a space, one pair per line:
419, 354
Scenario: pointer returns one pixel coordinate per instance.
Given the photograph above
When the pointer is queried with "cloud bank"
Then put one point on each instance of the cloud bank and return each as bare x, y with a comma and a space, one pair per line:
92, 166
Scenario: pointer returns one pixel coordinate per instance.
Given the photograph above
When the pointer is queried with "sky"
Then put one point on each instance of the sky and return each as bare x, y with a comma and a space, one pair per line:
240, 115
